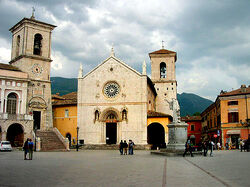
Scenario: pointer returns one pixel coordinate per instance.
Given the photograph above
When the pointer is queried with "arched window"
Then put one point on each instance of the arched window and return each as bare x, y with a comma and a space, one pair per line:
124, 114
163, 70
37, 44
17, 45
11, 103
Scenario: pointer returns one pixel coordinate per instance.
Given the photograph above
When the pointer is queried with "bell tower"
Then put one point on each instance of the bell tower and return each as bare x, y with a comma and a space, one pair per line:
164, 79
31, 53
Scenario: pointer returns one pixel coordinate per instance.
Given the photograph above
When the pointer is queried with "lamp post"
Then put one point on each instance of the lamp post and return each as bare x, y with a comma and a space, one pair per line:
77, 131
35, 136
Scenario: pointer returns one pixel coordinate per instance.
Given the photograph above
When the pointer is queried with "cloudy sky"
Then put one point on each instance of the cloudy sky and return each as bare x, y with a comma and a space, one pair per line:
211, 38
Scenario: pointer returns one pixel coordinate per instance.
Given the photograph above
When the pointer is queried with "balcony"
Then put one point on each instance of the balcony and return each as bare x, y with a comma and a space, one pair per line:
15, 117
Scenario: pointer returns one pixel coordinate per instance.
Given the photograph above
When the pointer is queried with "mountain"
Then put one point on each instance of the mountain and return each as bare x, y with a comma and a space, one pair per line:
189, 103
63, 85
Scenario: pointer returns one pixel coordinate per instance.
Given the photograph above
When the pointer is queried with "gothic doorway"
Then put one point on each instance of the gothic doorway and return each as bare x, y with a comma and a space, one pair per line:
111, 133
156, 135
37, 119
15, 135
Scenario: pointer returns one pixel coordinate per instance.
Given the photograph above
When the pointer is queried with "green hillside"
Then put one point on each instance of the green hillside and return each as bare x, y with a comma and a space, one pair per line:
189, 103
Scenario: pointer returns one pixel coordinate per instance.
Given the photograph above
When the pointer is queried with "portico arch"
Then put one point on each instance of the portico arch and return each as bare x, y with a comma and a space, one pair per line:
156, 135
15, 134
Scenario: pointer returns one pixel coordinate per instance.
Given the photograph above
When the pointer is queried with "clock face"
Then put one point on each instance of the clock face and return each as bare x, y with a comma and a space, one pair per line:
111, 89
37, 69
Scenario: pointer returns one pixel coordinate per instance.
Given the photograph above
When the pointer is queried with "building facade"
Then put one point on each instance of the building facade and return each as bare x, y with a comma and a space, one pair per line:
65, 115
114, 100
25, 83
227, 119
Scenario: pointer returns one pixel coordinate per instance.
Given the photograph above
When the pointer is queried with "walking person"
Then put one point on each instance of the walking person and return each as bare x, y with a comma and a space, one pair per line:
211, 143
241, 145
188, 147
125, 148
121, 147
130, 147
204, 146
26, 148
31, 146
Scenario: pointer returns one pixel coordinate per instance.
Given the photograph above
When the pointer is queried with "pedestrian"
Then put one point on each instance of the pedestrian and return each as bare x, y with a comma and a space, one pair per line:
241, 145
188, 147
125, 148
121, 147
31, 146
211, 147
26, 148
218, 146
130, 147
204, 146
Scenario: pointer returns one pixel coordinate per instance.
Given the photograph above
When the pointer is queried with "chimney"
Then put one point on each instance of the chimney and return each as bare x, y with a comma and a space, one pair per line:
222, 92
243, 88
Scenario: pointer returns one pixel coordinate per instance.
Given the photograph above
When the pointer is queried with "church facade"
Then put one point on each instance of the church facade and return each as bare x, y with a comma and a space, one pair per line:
116, 102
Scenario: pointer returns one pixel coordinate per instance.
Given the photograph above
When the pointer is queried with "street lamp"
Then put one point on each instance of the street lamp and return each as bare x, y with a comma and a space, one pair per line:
77, 131
35, 136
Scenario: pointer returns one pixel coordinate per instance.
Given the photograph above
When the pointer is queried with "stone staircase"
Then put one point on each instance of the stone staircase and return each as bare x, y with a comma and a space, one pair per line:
50, 141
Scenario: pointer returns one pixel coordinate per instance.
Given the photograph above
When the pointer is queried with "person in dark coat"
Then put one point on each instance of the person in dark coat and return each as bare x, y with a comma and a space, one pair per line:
131, 147
205, 148
121, 147
188, 147
125, 148
26, 148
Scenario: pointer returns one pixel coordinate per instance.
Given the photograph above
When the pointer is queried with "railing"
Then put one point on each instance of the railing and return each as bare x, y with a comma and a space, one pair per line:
65, 141
15, 117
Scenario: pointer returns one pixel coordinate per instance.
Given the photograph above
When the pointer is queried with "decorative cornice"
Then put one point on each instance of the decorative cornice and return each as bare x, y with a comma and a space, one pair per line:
30, 57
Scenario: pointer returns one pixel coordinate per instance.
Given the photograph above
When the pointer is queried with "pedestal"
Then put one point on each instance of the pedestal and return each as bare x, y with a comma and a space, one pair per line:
177, 138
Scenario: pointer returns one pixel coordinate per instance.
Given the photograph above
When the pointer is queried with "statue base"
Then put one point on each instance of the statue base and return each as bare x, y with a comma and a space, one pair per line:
177, 138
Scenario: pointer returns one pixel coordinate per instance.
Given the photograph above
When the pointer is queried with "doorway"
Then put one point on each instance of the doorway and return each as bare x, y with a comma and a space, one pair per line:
15, 135
37, 119
156, 135
111, 133
235, 141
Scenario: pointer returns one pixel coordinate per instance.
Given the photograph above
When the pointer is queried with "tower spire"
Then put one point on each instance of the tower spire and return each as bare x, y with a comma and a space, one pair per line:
80, 73
144, 68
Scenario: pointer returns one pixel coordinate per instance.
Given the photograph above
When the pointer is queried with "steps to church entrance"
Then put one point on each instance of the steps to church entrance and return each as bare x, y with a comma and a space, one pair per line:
50, 141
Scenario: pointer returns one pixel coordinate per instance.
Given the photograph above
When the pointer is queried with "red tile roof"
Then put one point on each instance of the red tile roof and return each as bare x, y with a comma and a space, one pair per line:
240, 91
163, 51
68, 99
191, 118
9, 67
157, 114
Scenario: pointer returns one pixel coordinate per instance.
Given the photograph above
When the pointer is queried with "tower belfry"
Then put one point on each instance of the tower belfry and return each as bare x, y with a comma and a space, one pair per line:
31, 51
164, 78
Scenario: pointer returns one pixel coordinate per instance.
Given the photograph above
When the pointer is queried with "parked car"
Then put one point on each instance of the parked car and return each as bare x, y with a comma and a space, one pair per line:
5, 146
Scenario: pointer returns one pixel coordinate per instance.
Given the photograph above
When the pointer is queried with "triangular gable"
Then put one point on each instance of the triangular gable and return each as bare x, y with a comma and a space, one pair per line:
118, 60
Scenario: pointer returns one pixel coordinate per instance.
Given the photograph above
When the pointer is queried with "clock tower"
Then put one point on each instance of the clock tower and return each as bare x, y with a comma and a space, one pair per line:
31, 53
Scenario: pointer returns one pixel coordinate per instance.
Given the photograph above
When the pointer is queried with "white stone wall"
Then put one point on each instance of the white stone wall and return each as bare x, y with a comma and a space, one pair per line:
132, 96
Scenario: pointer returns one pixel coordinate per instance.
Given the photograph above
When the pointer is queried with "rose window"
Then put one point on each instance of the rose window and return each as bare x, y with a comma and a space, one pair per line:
111, 89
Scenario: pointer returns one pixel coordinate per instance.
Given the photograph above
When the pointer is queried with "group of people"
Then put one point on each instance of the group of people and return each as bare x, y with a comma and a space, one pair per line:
126, 148
206, 145
28, 148
244, 145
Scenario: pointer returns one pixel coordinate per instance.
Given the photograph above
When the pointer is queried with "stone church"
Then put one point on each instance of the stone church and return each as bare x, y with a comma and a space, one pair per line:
116, 102
25, 86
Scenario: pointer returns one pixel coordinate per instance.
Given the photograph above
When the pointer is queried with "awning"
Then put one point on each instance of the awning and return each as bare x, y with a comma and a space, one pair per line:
233, 132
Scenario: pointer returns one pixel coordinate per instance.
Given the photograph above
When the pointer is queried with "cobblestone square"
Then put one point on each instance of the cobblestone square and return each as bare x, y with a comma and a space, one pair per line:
108, 168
